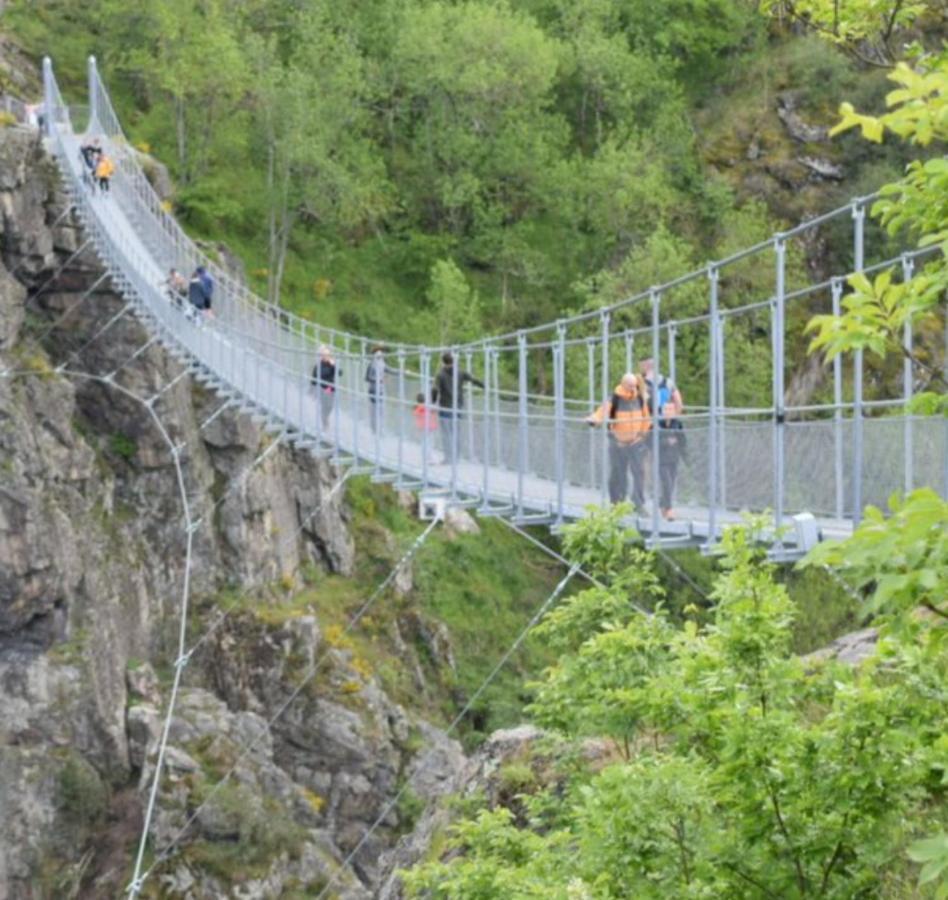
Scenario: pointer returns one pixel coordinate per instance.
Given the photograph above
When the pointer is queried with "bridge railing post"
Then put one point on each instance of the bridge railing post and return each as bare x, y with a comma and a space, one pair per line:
559, 415
672, 341
49, 101
469, 419
358, 398
908, 389
606, 392
591, 382
836, 288
402, 410
498, 428
336, 404
779, 415
485, 430
655, 298
522, 382
303, 389
425, 365
859, 222
722, 403
713, 412
454, 442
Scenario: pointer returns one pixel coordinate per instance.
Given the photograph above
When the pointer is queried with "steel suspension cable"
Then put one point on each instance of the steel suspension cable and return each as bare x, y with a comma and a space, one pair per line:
225, 613
682, 574
560, 558
110, 382
387, 809
139, 880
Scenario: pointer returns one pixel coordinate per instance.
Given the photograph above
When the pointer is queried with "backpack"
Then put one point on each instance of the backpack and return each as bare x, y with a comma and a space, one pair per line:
664, 392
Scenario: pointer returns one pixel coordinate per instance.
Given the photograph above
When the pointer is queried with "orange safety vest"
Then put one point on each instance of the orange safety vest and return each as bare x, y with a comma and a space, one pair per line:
425, 418
105, 168
629, 419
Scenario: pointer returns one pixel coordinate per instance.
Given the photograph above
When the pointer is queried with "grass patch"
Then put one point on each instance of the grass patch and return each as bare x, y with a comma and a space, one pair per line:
123, 446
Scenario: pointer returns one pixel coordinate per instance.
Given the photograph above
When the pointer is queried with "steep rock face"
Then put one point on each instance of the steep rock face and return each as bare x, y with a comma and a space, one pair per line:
92, 562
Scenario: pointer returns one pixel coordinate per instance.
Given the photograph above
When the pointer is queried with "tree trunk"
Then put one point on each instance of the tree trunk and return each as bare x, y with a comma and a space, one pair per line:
181, 133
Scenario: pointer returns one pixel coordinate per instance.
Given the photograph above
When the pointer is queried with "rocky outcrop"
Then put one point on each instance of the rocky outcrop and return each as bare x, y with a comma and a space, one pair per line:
92, 563
796, 126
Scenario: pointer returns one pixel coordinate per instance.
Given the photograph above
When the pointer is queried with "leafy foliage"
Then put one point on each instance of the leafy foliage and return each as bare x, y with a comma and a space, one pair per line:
742, 772
868, 29
876, 311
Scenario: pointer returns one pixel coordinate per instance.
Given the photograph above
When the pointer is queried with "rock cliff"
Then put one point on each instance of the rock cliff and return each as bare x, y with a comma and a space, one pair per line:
92, 562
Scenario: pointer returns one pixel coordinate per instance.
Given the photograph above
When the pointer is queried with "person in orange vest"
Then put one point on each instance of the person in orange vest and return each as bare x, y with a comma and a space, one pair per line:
104, 170
426, 419
627, 413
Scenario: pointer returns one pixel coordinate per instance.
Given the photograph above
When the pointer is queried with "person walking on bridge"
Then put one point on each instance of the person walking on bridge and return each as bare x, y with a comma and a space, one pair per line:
448, 393
375, 387
665, 403
324, 381
626, 413
91, 153
207, 283
196, 297
104, 170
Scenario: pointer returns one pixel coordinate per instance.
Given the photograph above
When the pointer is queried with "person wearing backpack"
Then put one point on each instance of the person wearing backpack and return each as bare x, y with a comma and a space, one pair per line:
626, 411
207, 283
666, 398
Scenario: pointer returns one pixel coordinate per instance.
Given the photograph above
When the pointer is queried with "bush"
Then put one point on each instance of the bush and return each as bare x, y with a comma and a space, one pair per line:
83, 796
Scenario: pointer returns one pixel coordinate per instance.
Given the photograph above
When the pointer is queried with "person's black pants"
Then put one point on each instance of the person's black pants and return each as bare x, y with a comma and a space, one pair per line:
622, 459
104, 185
447, 422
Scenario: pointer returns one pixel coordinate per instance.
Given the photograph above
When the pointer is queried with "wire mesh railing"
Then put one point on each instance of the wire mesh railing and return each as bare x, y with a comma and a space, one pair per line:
518, 442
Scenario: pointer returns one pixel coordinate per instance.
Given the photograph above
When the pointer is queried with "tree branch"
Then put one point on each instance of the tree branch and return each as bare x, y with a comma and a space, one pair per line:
935, 609
798, 866
761, 887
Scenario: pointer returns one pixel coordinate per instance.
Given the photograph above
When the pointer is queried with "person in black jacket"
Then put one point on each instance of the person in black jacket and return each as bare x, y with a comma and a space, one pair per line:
196, 298
91, 153
448, 393
324, 381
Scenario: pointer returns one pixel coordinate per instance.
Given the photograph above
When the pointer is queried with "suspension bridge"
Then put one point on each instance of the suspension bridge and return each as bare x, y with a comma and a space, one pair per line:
524, 454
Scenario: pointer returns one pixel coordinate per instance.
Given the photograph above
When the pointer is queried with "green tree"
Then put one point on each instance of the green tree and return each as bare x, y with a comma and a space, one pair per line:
876, 311
192, 54
455, 304
746, 773
866, 29
320, 163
